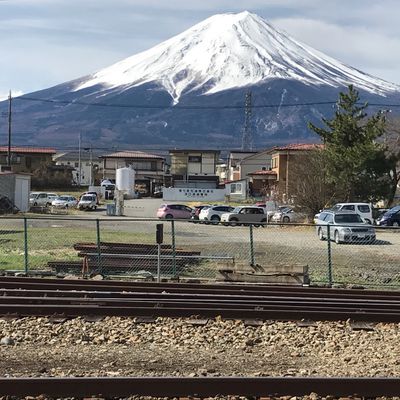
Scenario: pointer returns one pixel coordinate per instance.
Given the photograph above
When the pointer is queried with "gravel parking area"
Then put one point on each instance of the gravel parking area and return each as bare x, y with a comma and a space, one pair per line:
119, 346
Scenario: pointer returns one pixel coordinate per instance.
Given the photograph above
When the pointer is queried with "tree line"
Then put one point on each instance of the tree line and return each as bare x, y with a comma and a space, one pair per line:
359, 160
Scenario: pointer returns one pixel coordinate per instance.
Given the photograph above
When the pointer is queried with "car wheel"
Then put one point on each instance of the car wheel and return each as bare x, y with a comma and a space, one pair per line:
264, 222
35, 204
234, 222
169, 216
336, 237
395, 224
215, 219
368, 221
66, 206
95, 207
285, 220
320, 234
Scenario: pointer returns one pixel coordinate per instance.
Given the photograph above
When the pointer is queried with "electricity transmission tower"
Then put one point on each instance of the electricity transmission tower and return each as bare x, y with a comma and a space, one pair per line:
247, 137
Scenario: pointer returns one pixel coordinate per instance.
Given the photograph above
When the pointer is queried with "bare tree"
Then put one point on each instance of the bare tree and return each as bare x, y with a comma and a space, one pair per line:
310, 189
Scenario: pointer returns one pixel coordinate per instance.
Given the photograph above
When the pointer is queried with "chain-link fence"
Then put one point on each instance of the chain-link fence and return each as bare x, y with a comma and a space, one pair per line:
127, 247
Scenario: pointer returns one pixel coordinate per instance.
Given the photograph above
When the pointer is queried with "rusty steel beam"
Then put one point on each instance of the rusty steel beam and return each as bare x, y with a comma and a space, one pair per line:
199, 387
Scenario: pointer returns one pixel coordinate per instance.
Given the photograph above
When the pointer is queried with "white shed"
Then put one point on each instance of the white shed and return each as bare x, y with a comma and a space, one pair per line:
16, 186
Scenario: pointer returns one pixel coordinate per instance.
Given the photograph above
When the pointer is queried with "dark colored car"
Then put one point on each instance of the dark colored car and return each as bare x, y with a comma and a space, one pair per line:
196, 211
390, 218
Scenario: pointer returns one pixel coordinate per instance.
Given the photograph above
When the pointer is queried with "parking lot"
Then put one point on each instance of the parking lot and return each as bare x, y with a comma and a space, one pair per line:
52, 238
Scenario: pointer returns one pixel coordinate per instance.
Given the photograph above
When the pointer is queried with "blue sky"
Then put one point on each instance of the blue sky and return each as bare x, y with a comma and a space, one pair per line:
47, 42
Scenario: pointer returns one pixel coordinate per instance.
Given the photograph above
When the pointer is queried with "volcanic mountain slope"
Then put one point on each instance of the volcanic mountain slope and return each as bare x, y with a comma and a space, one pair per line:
174, 93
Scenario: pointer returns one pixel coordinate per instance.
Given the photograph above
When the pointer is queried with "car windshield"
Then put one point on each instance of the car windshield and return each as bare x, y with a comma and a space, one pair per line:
393, 210
63, 198
87, 198
236, 210
33, 195
347, 218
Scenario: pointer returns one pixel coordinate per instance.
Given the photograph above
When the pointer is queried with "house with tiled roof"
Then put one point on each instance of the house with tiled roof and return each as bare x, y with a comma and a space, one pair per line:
149, 168
25, 159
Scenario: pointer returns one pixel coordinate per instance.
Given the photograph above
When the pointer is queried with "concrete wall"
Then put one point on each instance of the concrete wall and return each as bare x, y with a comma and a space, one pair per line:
190, 194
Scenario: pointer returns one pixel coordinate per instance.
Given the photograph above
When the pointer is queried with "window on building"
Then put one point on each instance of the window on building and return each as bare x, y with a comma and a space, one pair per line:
236, 188
76, 165
195, 159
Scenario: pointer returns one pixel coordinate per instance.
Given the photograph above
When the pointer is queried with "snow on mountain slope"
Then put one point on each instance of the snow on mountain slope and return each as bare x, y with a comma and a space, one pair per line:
228, 51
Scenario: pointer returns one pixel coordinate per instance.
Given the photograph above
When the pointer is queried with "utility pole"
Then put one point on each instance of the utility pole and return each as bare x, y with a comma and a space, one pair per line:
80, 161
9, 131
247, 138
90, 165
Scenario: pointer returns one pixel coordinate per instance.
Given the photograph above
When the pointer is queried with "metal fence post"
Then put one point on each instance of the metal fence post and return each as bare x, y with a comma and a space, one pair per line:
98, 245
330, 280
173, 248
26, 248
252, 261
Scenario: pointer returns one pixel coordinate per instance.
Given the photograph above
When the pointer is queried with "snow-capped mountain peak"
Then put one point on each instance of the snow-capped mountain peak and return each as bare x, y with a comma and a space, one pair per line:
229, 51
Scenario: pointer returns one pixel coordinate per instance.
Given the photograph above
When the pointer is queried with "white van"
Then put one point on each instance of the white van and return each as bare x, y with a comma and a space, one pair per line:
364, 210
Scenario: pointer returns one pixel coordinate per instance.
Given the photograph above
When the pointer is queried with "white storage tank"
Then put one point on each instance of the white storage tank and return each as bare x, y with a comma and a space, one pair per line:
125, 180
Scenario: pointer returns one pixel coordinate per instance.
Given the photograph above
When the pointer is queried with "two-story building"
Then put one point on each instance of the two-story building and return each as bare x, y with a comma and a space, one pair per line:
283, 164
193, 176
234, 160
149, 168
87, 167
26, 159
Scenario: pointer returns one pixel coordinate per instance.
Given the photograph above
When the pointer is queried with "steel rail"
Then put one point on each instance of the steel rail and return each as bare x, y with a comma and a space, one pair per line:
307, 297
209, 302
199, 387
183, 311
11, 282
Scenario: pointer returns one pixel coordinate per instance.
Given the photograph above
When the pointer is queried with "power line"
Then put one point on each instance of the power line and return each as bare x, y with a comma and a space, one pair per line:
193, 107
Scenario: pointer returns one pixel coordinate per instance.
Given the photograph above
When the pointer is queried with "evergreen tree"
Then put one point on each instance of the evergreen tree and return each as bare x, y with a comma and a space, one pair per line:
356, 166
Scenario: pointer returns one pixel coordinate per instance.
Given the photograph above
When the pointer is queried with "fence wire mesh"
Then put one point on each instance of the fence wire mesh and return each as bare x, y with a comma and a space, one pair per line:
127, 247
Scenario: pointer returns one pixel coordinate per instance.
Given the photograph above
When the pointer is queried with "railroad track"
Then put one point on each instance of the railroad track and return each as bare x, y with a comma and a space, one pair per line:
72, 298
199, 387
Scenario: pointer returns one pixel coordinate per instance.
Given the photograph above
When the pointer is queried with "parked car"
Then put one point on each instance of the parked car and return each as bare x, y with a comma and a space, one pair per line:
64, 202
287, 215
87, 202
364, 210
52, 196
345, 226
43, 199
270, 207
213, 213
174, 211
390, 217
244, 215
95, 194
196, 211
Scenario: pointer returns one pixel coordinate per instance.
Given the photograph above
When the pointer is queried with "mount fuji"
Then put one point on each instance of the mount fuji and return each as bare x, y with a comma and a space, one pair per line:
188, 92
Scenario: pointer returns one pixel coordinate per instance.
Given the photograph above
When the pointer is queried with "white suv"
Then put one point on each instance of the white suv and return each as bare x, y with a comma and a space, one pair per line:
364, 210
214, 213
42, 199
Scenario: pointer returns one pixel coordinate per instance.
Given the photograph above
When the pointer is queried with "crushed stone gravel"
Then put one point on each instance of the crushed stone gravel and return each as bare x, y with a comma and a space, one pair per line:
174, 347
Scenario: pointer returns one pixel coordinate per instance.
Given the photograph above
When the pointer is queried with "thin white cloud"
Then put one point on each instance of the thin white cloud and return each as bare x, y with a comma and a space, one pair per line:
362, 48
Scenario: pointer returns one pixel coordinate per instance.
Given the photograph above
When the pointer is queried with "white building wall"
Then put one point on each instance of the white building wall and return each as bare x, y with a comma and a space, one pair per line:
190, 194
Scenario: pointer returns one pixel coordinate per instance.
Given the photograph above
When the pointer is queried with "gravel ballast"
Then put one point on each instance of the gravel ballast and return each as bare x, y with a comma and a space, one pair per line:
121, 347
